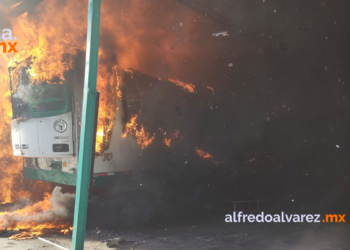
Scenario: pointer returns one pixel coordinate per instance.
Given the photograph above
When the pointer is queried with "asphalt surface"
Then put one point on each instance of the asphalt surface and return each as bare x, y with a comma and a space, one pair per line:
210, 234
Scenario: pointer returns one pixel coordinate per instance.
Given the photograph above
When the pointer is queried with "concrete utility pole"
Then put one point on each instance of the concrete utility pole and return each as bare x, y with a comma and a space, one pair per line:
87, 126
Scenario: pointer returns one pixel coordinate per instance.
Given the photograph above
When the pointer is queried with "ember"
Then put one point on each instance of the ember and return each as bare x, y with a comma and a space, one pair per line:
203, 154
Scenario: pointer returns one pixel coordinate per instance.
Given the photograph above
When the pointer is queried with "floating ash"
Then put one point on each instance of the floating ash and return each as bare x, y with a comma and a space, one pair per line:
54, 212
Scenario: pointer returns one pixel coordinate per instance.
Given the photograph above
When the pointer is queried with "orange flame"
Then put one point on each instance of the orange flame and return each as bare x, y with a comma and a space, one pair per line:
109, 86
10, 172
206, 155
67, 230
35, 219
189, 87
174, 135
167, 142
143, 138
49, 39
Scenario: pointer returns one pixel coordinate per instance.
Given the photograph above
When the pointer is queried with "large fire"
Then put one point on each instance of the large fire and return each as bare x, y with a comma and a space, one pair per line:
110, 94
49, 39
49, 47
43, 215
10, 171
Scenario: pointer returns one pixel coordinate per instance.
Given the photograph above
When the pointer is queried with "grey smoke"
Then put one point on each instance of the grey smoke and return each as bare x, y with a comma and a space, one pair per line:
26, 93
62, 208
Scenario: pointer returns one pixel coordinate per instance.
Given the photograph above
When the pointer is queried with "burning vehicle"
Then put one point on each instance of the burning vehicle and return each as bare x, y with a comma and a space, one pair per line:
45, 129
220, 102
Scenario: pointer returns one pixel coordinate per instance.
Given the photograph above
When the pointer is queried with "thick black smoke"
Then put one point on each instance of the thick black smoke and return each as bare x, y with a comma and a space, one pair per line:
277, 121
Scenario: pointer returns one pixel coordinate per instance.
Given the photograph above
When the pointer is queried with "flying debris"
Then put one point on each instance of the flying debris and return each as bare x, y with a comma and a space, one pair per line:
221, 33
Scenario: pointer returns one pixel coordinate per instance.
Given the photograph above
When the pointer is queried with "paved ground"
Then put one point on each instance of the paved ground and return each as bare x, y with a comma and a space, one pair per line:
211, 234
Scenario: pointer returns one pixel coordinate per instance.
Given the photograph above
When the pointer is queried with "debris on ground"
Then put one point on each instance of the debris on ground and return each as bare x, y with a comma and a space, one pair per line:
221, 33
119, 242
